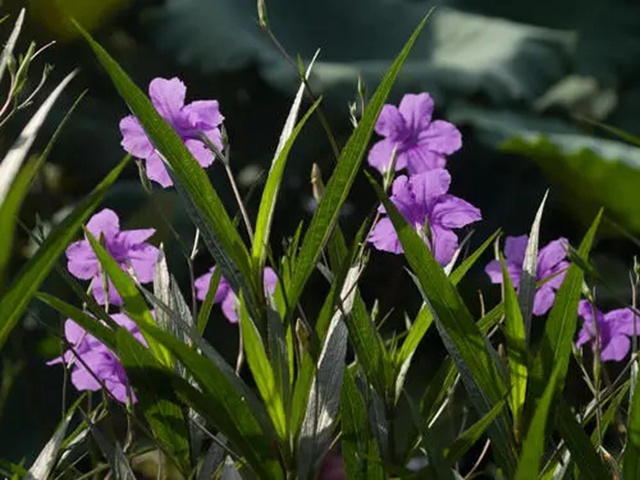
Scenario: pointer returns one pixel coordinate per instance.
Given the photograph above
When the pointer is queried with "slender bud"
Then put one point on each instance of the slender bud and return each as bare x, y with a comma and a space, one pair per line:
316, 182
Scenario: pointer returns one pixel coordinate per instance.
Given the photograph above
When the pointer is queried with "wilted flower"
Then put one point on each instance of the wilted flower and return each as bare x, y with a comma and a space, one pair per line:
613, 330
424, 202
189, 121
552, 265
227, 296
92, 364
127, 247
420, 143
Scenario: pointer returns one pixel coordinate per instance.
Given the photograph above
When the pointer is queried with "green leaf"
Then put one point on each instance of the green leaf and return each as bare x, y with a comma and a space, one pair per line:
227, 404
204, 205
31, 276
45, 463
532, 448
262, 371
272, 187
133, 301
555, 349
339, 185
471, 435
582, 451
515, 336
7, 51
588, 172
207, 305
156, 398
359, 449
469, 348
113, 453
631, 458
461, 270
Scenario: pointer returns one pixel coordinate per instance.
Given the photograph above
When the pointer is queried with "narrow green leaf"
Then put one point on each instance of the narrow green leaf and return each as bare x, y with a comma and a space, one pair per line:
272, 186
339, 185
29, 279
133, 301
203, 204
7, 50
156, 398
262, 372
527, 288
560, 328
207, 305
12, 161
46, 460
631, 458
514, 331
461, 270
471, 435
533, 446
359, 450
469, 348
582, 451
113, 453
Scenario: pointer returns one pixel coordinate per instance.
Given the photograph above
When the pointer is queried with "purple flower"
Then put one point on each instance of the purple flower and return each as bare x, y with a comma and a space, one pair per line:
189, 121
420, 143
424, 202
551, 263
127, 247
613, 329
92, 364
227, 296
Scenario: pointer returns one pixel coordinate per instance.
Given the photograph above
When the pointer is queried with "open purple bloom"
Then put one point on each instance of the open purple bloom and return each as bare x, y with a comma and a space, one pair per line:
424, 202
92, 364
189, 121
552, 265
127, 247
613, 330
226, 296
420, 143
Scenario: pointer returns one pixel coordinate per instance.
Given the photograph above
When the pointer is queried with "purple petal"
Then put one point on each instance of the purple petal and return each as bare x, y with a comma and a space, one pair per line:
230, 307
201, 153
416, 110
157, 171
143, 259
585, 310
82, 261
390, 123
543, 300
445, 244
203, 114
420, 159
494, 270
168, 95
381, 154
82, 379
621, 322
453, 212
131, 238
134, 138
584, 336
556, 275
515, 249
616, 349
441, 137
270, 280
427, 187
384, 237
551, 255
105, 223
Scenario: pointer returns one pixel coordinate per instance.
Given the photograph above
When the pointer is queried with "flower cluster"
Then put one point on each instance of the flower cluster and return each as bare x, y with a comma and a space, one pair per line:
226, 296
420, 145
191, 122
93, 366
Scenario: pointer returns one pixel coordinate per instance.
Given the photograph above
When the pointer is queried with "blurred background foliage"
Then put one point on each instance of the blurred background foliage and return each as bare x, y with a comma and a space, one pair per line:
527, 82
